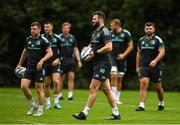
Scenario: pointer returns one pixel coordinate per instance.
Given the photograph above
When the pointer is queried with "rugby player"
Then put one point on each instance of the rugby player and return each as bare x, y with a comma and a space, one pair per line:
150, 52
37, 51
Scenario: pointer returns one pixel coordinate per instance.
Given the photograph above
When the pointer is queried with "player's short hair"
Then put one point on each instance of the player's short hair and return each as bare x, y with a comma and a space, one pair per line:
149, 24
48, 22
100, 14
66, 24
36, 24
116, 21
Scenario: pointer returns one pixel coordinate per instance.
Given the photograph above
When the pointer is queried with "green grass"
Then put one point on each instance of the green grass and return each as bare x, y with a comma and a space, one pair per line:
13, 107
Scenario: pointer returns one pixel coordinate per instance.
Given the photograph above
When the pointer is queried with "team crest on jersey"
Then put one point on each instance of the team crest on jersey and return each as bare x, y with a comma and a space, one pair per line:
152, 41
54, 40
98, 35
38, 42
122, 35
71, 40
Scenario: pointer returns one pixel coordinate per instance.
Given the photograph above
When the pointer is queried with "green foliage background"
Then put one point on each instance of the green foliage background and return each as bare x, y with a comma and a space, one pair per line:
17, 15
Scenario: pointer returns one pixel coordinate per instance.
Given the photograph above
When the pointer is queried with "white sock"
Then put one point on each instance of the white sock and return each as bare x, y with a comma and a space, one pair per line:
161, 103
48, 101
115, 111
32, 102
70, 94
141, 104
86, 110
40, 108
56, 98
118, 95
114, 90
60, 94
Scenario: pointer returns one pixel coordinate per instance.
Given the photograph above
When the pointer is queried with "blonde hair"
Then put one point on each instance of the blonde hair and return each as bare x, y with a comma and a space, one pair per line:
66, 24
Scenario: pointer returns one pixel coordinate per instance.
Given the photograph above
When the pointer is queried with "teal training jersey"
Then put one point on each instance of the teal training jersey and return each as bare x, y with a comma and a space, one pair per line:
36, 50
67, 45
149, 48
99, 38
120, 41
55, 42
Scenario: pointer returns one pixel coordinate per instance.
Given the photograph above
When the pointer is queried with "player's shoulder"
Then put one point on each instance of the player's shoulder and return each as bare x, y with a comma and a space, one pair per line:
60, 34
105, 30
71, 36
127, 32
142, 38
57, 36
44, 39
28, 38
43, 35
158, 38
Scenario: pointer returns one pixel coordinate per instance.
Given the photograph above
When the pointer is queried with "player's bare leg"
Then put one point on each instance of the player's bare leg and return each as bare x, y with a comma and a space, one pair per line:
71, 77
41, 96
111, 99
61, 87
94, 87
47, 87
56, 82
114, 83
119, 88
160, 94
27, 93
144, 83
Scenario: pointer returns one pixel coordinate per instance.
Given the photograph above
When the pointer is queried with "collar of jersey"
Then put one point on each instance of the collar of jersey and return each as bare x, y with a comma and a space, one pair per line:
149, 38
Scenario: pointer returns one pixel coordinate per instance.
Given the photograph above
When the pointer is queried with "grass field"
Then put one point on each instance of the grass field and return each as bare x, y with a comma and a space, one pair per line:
13, 107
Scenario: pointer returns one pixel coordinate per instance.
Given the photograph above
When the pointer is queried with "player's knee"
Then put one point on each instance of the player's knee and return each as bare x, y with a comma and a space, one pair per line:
113, 77
158, 88
143, 84
56, 82
24, 87
106, 90
39, 89
93, 90
47, 85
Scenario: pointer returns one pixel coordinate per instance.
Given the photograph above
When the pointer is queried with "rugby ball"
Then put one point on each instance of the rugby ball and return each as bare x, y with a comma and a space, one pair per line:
20, 71
85, 53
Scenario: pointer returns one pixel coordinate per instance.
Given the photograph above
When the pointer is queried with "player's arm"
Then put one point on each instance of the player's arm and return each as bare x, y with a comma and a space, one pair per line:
161, 54
121, 56
56, 62
23, 57
138, 59
90, 45
77, 56
48, 55
105, 49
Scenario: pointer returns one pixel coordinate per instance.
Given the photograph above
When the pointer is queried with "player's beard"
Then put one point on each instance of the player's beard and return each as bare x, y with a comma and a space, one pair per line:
149, 34
96, 24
